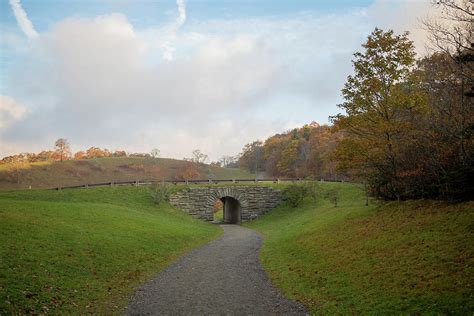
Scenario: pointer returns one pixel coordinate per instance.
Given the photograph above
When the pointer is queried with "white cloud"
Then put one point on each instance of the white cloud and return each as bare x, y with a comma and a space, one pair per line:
10, 111
168, 34
22, 19
101, 65
99, 81
182, 12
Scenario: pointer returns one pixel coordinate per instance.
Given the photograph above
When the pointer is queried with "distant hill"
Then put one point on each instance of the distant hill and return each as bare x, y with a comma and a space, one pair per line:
75, 172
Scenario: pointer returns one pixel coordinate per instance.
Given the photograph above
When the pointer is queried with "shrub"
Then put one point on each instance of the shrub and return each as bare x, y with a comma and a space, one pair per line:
294, 194
160, 191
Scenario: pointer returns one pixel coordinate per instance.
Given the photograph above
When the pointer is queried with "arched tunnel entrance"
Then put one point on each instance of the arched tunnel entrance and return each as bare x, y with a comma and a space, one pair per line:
239, 203
232, 210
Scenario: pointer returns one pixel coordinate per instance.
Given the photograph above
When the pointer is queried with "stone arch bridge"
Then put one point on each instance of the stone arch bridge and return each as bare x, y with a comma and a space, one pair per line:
241, 203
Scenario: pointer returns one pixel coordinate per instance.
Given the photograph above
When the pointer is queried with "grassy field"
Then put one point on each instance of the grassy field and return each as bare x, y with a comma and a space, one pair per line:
84, 250
76, 172
414, 257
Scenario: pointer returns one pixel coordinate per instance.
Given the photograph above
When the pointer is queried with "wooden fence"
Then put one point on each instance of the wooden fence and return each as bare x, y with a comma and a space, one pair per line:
198, 181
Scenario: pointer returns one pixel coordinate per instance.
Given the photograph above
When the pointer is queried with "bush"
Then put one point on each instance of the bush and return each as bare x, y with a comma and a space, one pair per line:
160, 191
294, 194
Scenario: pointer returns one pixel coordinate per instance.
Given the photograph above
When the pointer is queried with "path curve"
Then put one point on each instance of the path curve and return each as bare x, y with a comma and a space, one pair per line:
221, 277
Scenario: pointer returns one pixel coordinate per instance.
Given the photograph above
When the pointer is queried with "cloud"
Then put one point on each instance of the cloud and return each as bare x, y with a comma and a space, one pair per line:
10, 111
182, 12
22, 19
100, 81
168, 33
101, 65
101, 85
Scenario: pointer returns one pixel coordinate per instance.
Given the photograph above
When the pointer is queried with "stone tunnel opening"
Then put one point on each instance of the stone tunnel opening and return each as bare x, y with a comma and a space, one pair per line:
231, 210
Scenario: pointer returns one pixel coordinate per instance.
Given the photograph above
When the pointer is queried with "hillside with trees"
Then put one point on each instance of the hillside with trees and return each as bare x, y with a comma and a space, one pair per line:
407, 123
60, 167
306, 152
51, 174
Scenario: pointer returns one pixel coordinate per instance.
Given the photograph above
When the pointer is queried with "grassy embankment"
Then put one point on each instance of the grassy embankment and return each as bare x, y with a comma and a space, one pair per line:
409, 257
76, 172
84, 250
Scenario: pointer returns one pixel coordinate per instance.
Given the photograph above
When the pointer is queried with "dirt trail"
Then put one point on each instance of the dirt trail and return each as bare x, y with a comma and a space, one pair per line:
220, 278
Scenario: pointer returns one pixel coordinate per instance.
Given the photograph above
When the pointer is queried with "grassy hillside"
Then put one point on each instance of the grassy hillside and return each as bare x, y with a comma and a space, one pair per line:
75, 172
410, 257
84, 250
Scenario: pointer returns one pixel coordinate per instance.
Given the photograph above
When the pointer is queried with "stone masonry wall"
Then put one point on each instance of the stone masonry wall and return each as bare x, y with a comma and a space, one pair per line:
254, 200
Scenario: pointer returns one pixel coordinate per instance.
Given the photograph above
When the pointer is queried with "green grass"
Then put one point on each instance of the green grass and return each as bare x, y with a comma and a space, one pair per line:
219, 216
229, 173
414, 257
85, 250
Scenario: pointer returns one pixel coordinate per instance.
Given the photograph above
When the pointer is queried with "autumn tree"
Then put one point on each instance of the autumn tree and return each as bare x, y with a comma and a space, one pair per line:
45, 155
272, 150
80, 155
155, 153
301, 152
198, 156
452, 37
289, 159
188, 171
96, 152
62, 149
17, 169
445, 146
442, 151
322, 144
251, 157
380, 105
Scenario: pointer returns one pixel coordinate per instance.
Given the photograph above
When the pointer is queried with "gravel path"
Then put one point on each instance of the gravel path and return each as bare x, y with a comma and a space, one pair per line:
220, 278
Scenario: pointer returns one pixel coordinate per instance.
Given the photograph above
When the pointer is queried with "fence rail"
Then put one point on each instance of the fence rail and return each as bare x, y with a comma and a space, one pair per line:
196, 181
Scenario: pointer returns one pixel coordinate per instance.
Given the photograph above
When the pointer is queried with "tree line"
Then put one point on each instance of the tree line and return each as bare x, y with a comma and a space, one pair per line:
407, 123
62, 151
302, 152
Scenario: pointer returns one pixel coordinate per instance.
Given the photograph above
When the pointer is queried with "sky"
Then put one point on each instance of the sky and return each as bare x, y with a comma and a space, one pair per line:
180, 75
